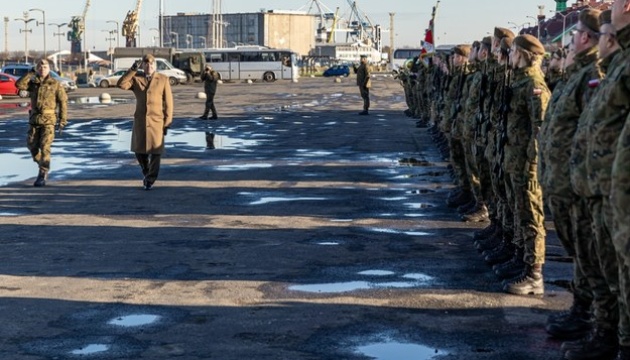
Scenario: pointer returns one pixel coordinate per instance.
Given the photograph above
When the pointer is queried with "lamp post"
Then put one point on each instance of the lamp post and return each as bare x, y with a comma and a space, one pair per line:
521, 26
26, 20
110, 39
176, 39
189, 40
564, 26
43, 26
117, 31
203, 42
158, 33
59, 33
537, 26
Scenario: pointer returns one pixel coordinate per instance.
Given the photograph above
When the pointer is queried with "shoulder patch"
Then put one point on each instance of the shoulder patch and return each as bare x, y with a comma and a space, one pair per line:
593, 83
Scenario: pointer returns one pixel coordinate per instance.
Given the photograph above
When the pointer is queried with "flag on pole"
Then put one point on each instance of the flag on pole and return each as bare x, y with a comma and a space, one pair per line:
428, 44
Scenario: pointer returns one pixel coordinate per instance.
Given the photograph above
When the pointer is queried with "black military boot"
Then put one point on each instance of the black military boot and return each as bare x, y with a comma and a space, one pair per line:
529, 283
463, 198
41, 179
511, 268
573, 324
478, 214
204, 116
491, 242
464, 209
602, 345
485, 232
500, 254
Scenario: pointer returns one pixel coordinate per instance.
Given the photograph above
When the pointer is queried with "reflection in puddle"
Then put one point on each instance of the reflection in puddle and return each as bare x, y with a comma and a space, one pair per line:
415, 215
419, 205
395, 198
328, 243
267, 200
90, 349
9, 213
305, 152
376, 273
97, 100
341, 220
392, 350
418, 277
393, 231
134, 320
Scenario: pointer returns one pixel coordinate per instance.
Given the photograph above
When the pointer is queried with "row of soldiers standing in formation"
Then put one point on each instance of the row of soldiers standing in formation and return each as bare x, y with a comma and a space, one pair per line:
516, 136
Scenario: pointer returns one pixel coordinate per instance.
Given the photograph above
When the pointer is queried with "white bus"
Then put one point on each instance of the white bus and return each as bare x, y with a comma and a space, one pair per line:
403, 54
253, 62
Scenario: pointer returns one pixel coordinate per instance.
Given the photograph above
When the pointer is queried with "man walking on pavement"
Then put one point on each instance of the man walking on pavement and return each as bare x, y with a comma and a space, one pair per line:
364, 83
210, 80
48, 98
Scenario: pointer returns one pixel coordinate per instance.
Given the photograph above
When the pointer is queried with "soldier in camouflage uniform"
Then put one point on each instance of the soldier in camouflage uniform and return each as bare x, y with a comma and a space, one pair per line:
529, 100
618, 109
555, 69
497, 248
453, 124
562, 198
477, 211
49, 104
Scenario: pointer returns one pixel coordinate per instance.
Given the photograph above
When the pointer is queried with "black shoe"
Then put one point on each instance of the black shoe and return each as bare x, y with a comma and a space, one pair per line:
203, 117
485, 232
573, 324
511, 268
602, 345
147, 185
213, 117
499, 255
41, 180
364, 112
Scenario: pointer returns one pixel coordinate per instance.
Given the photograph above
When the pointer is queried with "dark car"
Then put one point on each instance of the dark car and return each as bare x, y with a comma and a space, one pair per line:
337, 70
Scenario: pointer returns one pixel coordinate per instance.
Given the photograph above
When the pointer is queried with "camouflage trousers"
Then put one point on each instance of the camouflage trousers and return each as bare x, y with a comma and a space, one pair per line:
610, 308
572, 234
525, 199
39, 139
458, 161
621, 222
472, 171
408, 96
503, 211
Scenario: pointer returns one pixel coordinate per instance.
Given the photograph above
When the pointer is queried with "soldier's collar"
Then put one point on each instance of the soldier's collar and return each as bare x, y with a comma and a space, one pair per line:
587, 56
623, 37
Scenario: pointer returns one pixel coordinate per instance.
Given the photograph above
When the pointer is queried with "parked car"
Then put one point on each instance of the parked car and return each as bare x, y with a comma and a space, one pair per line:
20, 70
337, 70
7, 86
111, 79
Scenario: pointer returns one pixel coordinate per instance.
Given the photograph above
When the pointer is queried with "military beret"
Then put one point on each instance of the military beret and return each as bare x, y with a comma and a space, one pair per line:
506, 43
148, 58
590, 19
501, 33
529, 43
476, 44
487, 41
605, 17
463, 50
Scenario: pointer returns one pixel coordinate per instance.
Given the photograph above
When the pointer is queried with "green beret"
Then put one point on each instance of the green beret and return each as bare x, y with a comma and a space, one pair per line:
506, 43
501, 33
605, 17
487, 41
590, 19
529, 43
463, 50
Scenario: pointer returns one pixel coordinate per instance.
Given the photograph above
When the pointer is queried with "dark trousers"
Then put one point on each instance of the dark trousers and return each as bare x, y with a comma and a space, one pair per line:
365, 95
210, 105
150, 165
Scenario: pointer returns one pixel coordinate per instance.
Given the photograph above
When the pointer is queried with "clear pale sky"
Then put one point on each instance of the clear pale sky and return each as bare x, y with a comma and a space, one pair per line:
458, 21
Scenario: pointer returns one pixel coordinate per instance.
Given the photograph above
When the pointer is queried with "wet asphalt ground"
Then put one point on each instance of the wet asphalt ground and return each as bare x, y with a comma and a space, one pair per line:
290, 228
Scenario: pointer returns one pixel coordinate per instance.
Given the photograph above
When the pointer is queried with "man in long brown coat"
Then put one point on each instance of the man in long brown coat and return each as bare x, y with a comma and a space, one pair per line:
153, 116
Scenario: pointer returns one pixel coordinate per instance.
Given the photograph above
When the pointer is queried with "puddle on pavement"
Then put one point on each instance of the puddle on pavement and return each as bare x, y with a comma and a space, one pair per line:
90, 349
409, 280
376, 273
328, 243
394, 231
134, 320
342, 220
97, 100
394, 350
415, 215
305, 152
420, 191
394, 198
242, 167
9, 213
419, 205
267, 200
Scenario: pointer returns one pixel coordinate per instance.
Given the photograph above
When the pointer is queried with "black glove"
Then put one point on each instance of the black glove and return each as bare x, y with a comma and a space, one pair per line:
136, 65
165, 131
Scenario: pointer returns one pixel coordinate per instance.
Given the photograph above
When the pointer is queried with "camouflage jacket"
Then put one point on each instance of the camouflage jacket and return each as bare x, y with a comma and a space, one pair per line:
363, 76
497, 81
557, 141
460, 102
48, 99
450, 99
606, 119
544, 177
553, 78
471, 105
210, 81
530, 97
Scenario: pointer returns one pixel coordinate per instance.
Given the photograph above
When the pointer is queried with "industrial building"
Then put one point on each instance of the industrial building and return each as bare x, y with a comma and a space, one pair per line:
276, 29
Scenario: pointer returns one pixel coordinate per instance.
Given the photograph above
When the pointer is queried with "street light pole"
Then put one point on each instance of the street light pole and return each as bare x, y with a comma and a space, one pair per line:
564, 25
204, 41
189, 40
59, 33
43, 25
537, 26
25, 31
117, 31
158, 32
